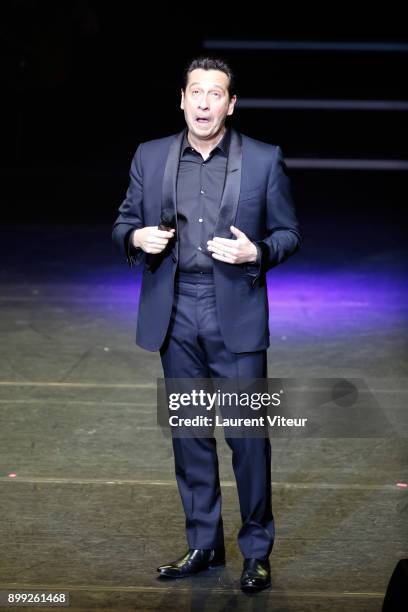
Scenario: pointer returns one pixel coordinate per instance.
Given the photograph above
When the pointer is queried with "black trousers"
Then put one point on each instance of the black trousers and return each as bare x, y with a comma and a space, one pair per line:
194, 348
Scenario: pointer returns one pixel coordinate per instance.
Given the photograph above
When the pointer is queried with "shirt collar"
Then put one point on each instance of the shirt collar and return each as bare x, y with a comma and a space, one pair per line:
223, 145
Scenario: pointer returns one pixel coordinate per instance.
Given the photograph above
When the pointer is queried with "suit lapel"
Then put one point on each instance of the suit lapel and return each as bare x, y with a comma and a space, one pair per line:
230, 196
169, 185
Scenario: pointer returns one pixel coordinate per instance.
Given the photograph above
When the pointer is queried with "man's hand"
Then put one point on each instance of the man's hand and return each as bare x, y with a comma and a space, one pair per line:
238, 251
151, 240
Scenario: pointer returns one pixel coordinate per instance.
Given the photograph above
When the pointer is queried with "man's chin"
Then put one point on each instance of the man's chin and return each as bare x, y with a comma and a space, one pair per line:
205, 132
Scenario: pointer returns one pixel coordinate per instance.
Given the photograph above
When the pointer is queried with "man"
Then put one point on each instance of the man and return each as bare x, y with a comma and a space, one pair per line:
226, 202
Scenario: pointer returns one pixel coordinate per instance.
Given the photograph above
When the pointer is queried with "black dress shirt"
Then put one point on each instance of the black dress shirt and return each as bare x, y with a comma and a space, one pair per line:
200, 184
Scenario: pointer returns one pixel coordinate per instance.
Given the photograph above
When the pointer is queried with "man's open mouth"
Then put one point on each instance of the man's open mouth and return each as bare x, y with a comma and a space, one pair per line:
202, 120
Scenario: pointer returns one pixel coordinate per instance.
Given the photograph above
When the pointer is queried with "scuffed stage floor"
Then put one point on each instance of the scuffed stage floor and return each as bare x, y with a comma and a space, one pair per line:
89, 500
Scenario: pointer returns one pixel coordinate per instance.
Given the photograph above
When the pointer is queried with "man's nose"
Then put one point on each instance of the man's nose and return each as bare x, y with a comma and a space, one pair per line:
203, 104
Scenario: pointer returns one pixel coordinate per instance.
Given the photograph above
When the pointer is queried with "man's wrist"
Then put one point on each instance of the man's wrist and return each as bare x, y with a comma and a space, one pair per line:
254, 258
256, 261
131, 248
134, 241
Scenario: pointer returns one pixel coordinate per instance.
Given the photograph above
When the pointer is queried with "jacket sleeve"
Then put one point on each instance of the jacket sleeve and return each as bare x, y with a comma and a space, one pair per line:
131, 214
283, 236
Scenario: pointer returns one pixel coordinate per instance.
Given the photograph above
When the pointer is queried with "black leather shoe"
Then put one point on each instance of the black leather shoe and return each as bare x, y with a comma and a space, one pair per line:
256, 575
194, 561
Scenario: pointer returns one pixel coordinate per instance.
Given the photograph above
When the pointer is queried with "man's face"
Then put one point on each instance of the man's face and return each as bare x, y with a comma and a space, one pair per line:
206, 102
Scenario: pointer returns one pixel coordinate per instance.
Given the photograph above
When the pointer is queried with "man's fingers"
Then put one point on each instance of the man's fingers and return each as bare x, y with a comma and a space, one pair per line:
224, 258
153, 249
226, 241
236, 231
223, 248
224, 255
162, 233
155, 241
159, 241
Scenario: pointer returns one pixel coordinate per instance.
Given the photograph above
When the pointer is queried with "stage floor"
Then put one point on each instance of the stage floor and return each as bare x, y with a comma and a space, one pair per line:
89, 499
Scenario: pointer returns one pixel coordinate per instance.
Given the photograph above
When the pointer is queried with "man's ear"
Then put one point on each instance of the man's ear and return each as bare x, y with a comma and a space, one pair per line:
232, 105
182, 100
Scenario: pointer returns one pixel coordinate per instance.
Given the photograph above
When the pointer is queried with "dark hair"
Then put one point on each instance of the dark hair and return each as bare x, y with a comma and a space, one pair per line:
210, 63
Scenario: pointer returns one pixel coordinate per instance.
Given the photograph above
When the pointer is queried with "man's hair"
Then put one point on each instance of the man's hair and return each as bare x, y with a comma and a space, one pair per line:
210, 63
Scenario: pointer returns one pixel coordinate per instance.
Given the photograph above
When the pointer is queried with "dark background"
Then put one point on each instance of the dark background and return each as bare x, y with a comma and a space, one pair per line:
85, 82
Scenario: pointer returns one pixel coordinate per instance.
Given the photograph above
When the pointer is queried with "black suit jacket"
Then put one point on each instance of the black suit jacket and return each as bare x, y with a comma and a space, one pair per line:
256, 198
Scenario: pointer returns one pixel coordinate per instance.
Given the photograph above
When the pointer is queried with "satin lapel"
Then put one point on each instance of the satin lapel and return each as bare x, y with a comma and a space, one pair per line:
169, 186
229, 201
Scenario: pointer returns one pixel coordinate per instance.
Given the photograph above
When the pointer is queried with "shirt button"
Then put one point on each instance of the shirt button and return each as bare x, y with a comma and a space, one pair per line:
199, 248
200, 220
201, 190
